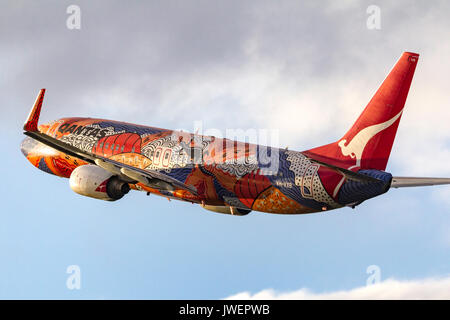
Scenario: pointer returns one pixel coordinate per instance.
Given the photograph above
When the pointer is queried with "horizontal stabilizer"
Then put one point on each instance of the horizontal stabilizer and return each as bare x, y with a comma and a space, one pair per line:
348, 174
402, 182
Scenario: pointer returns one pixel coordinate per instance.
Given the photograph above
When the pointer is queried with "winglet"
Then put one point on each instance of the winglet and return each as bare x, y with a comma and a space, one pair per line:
32, 122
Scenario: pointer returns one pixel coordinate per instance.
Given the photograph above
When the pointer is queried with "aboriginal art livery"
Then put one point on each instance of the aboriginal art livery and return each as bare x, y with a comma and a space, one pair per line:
106, 159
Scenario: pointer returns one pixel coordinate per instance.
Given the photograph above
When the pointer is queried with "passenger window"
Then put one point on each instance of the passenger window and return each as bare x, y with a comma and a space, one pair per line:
132, 150
106, 145
167, 153
123, 146
157, 156
112, 147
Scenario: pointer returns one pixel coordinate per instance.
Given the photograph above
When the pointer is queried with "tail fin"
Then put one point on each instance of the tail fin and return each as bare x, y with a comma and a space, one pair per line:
368, 144
32, 121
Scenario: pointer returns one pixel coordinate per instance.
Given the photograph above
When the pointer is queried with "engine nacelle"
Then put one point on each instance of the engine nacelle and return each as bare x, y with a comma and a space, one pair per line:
228, 210
95, 182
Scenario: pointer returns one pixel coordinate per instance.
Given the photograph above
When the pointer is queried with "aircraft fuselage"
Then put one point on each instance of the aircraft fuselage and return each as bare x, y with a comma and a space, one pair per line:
224, 172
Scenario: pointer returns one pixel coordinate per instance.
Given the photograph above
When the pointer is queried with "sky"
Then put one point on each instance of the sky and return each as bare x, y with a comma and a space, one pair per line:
303, 69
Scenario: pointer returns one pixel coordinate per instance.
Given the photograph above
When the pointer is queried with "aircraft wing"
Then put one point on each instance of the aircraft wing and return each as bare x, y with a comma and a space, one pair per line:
150, 178
402, 182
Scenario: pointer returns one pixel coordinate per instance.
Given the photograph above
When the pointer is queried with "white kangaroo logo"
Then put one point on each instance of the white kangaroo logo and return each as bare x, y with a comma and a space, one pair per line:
356, 146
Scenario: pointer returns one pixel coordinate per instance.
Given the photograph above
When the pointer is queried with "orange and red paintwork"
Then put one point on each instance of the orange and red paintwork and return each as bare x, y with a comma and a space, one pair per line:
253, 189
62, 165
231, 173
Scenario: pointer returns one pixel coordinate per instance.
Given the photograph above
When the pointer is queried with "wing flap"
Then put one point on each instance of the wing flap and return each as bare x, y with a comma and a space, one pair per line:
150, 182
114, 169
151, 178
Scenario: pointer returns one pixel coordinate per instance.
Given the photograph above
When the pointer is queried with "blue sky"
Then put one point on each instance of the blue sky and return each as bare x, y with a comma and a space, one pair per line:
308, 71
148, 247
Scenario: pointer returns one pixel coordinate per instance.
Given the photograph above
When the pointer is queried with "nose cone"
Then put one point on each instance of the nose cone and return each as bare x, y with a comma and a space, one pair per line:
28, 144
37, 153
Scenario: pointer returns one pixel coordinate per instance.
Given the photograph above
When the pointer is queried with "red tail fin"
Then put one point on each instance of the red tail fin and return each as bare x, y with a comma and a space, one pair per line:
368, 144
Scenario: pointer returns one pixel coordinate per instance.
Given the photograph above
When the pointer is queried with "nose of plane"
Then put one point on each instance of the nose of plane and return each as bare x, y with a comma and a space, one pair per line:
27, 145
37, 153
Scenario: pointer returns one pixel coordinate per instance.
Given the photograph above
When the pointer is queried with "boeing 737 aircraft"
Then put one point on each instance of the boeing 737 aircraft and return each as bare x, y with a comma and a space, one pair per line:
106, 159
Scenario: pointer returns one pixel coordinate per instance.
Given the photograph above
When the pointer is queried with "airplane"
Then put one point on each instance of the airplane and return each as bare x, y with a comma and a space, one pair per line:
105, 159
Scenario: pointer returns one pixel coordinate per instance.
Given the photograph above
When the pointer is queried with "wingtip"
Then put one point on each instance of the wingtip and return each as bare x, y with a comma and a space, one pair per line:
33, 118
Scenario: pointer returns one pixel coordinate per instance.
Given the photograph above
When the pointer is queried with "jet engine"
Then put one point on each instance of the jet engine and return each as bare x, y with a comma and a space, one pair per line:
95, 182
228, 210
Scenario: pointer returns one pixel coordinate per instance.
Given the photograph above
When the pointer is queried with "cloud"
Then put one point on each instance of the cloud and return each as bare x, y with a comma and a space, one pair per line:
306, 69
391, 289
